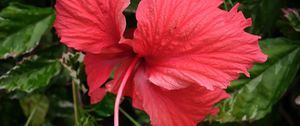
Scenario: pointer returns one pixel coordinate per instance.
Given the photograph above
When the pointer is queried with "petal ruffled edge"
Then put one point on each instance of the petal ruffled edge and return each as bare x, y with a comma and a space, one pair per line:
181, 48
182, 107
91, 25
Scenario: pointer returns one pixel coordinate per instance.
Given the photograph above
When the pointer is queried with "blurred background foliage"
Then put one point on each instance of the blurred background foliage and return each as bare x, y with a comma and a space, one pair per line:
42, 83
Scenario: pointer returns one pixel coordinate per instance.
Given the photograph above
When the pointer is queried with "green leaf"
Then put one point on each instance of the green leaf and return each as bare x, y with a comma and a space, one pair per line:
106, 107
6, 65
30, 75
133, 6
86, 119
253, 98
35, 107
21, 28
264, 14
73, 63
294, 18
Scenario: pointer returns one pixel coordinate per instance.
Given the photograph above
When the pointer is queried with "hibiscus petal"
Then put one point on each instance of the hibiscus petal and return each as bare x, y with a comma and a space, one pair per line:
183, 107
90, 25
186, 41
98, 69
113, 85
97, 95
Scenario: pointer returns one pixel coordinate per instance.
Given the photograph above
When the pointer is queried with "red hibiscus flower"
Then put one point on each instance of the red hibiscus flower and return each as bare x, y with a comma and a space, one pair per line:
183, 53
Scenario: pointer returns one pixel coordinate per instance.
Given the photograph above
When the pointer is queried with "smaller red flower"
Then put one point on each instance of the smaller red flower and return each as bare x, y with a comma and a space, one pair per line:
182, 55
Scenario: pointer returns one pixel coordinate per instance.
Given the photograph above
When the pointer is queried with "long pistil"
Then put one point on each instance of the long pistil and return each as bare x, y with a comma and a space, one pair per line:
121, 88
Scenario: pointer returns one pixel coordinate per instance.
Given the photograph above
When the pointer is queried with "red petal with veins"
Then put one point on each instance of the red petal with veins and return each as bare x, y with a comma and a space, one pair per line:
98, 69
97, 95
93, 26
193, 41
182, 107
120, 72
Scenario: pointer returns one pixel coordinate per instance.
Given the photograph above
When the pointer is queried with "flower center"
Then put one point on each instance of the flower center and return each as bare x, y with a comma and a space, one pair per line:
121, 88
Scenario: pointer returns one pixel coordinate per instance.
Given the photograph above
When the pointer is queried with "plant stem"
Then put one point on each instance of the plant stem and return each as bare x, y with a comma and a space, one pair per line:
74, 93
129, 117
30, 117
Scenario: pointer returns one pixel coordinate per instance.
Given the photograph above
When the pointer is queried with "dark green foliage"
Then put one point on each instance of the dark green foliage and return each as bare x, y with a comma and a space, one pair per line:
21, 28
29, 75
105, 108
35, 106
255, 96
